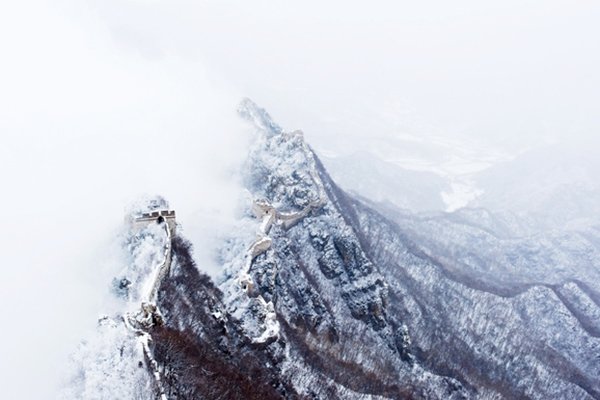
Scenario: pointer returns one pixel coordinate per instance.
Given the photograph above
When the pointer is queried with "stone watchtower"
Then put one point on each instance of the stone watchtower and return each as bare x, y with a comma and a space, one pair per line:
158, 216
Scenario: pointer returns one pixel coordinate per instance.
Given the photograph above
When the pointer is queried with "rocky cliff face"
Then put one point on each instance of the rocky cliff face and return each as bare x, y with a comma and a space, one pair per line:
323, 297
330, 300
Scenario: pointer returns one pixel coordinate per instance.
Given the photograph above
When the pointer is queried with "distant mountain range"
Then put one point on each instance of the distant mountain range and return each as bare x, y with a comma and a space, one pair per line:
550, 187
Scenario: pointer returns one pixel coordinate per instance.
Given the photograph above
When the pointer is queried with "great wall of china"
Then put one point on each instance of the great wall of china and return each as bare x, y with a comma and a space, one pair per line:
270, 216
148, 314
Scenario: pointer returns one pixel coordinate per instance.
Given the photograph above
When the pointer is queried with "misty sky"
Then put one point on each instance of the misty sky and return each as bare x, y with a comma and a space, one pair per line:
510, 73
104, 101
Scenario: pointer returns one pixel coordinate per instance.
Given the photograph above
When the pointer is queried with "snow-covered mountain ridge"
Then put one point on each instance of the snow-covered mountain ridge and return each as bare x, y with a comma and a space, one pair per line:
324, 297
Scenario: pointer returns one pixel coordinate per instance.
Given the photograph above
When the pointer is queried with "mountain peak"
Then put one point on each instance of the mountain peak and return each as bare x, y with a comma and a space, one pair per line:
258, 116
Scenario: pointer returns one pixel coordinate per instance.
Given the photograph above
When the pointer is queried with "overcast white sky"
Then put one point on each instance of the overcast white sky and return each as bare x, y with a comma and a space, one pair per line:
101, 101
496, 71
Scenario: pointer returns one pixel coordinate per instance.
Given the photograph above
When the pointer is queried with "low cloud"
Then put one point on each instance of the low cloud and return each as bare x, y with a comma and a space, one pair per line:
87, 128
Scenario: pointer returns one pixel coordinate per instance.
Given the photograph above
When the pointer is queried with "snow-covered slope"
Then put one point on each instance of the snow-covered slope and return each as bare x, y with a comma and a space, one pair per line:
368, 176
506, 335
556, 185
